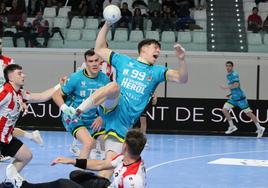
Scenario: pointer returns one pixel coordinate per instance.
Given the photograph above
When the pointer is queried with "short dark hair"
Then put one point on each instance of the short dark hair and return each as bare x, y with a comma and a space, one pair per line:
255, 8
135, 141
89, 53
147, 42
9, 69
229, 63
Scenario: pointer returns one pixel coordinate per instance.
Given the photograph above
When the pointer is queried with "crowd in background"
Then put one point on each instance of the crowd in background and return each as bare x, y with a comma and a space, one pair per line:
165, 15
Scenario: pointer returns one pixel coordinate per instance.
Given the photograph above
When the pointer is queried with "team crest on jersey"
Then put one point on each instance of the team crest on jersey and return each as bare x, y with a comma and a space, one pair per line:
149, 78
131, 64
83, 83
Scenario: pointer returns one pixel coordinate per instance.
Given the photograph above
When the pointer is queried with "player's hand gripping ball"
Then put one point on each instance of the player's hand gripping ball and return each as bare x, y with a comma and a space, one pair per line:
112, 14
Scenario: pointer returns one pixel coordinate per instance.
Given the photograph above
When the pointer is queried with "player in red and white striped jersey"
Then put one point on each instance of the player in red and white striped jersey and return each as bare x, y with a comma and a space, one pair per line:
35, 135
11, 102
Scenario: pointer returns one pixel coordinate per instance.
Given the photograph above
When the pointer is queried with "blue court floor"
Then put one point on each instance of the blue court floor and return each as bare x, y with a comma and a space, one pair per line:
172, 161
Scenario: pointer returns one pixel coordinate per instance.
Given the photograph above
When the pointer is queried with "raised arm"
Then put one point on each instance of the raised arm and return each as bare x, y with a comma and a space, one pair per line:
95, 165
101, 48
43, 96
180, 75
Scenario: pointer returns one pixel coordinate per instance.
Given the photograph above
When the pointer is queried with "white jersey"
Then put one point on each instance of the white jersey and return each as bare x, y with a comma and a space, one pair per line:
10, 108
4, 61
106, 68
128, 176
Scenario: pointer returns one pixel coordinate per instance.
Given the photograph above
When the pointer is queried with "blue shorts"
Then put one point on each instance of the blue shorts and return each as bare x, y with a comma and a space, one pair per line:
73, 127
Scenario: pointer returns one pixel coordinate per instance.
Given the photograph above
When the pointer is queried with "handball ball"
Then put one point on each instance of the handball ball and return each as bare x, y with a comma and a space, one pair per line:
112, 14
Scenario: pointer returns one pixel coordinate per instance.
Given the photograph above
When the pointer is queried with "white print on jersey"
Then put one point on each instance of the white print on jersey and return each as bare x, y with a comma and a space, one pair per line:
10, 108
128, 176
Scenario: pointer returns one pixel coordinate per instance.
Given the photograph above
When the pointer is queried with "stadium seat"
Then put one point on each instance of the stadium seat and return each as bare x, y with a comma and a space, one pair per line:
49, 12
184, 37
60, 22
63, 12
200, 15
136, 36
254, 38
121, 35
89, 35
265, 39
152, 35
50, 22
73, 34
199, 37
77, 23
248, 6
168, 36
263, 7
92, 23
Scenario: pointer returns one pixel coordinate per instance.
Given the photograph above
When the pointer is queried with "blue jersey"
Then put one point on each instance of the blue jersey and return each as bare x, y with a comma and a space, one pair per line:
79, 86
137, 82
237, 93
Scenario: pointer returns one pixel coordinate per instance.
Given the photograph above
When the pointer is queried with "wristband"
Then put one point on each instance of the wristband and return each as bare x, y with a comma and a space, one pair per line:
81, 163
63, 107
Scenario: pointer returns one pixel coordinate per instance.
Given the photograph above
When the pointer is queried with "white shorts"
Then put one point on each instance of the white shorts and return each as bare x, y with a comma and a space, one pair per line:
112, 144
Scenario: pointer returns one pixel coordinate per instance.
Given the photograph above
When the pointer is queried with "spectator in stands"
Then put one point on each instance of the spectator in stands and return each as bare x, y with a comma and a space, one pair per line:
125, 21
265, 25
79, 8
168, 19
112, 2
199, 4
3, 18
254, 21
23, 30
35, 6
137, 20
14, 14
154, 5
56, 3
184, 20
139, 4
155, 19
169, 3
40, 29
258, 1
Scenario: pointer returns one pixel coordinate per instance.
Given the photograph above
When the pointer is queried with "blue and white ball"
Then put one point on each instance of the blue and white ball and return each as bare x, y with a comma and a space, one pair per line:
111, 14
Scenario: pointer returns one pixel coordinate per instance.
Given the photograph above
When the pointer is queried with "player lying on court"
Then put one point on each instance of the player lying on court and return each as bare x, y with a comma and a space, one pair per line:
128, 169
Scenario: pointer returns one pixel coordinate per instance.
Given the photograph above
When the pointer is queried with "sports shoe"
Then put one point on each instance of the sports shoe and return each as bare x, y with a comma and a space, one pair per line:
4, 158
13, 176
231, 129
260, 132
37, 138
74, 149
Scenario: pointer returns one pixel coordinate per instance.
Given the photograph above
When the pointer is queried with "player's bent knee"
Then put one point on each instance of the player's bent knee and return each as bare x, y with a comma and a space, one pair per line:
114, 88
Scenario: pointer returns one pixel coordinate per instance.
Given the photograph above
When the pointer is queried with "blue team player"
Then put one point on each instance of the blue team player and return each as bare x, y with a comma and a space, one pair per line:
123, 101
237, 99
78, 87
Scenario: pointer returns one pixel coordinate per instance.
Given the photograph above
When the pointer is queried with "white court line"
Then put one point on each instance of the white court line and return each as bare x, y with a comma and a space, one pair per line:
200, 156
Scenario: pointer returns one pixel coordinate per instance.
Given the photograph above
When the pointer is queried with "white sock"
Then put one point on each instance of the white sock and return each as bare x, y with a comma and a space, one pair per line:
86, 105
28, 135
258, 125
231, 123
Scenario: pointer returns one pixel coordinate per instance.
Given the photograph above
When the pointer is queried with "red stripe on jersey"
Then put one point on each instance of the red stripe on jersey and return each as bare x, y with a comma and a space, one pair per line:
3, 94
132, 169
3, 121
6, 60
